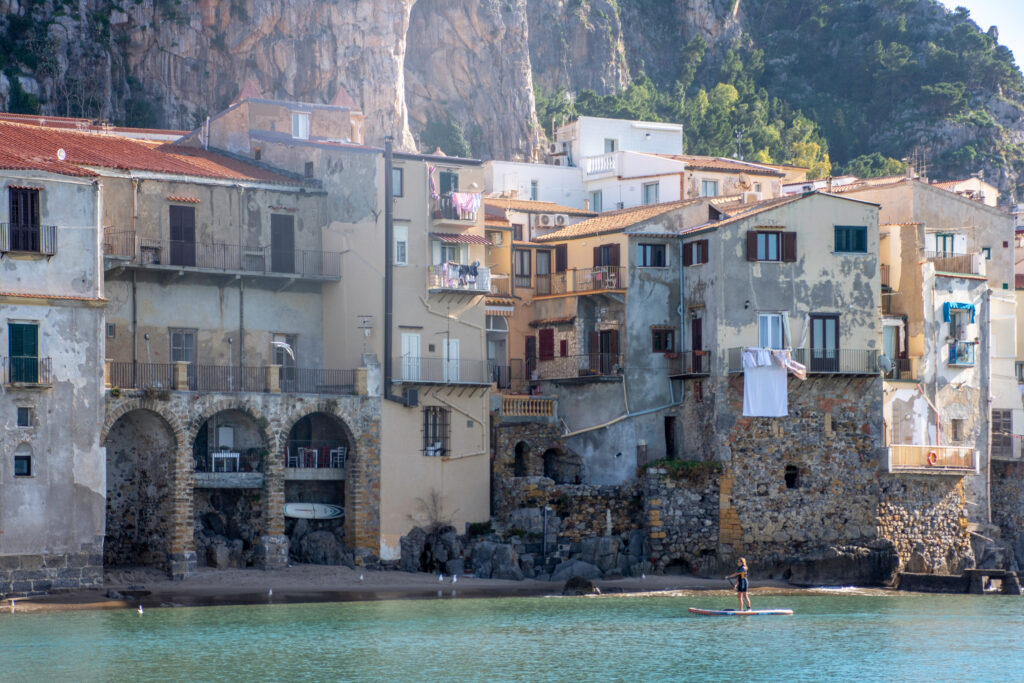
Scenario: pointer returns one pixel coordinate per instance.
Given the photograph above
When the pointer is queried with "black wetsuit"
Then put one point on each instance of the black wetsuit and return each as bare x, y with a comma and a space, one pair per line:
741, 583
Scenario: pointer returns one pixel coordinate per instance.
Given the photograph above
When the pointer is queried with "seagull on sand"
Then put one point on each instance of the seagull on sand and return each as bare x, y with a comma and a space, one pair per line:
270, 593
454, 578
440, 577
360, 578
140, 609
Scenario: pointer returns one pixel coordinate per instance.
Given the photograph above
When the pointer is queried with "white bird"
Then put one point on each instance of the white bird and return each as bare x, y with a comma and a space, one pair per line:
643, 576
440, 577
12, 605
454, 578
270, 592
360, 578
140, 609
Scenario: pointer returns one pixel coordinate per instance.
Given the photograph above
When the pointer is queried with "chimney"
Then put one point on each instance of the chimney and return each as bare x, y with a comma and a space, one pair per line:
829, 185
586, 205
513, 194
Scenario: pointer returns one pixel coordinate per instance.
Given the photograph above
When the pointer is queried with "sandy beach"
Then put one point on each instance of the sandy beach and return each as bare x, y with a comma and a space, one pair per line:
317, 583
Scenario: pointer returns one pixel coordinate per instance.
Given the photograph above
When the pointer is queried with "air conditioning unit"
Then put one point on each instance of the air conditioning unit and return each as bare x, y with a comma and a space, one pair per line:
561, 219
545, 219
620, 205
554, 147
412, 398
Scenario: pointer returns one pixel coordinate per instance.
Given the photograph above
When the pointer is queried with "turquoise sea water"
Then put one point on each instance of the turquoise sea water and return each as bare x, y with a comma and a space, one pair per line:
834, 636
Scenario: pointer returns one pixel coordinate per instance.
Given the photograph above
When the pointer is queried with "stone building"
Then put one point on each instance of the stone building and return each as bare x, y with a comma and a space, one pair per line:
52, 483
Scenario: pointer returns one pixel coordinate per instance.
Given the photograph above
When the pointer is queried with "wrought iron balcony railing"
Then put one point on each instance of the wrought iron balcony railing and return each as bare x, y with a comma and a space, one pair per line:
27, 370
39, 239
948, 262
440, 370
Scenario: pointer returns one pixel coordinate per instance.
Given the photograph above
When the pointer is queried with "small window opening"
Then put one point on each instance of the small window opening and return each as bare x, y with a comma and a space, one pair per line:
258, 154
792, 477
23, 465
25, 416
309, 169
111, 330
519, 468
957, 428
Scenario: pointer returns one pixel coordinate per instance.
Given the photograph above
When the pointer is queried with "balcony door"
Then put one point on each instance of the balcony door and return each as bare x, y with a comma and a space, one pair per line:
23, 351
282, 243
696, 341
183, 235
543, 272
451, 360
24, 217
824, 343
410, 356
183, 348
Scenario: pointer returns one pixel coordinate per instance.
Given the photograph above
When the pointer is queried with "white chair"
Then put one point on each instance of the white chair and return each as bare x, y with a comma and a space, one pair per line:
293, 458
338, 456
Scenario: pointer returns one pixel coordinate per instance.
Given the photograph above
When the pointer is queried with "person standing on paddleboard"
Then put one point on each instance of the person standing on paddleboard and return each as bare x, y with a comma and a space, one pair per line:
741, 582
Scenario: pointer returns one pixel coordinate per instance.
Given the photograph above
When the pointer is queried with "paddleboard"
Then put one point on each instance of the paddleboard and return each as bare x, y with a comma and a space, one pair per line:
738, 613
313, 510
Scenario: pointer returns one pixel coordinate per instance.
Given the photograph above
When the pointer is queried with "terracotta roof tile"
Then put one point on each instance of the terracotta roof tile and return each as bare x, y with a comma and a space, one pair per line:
721, 164
35, 147
614, 221
740, 211
459, 238
531, 206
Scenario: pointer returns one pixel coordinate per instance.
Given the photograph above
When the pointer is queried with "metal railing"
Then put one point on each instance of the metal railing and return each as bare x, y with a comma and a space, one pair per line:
38, 239
459, 277
222, 256
527, 406
141, 375
316, 381
440, 370
232, 379
26, 370
444, 207
1007, 446
691, 363
524, 281
581, 365
501, 286
884, 272
903, 369
315, 454
961, 353
948, 262
931, 458
580, 280
511, 378
823, 361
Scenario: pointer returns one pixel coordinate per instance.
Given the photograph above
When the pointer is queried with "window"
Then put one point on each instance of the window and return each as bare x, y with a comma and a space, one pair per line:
25, 416
534, 190
945, 243
769, 331
663, 340
517, 232
851, 239
436, 429
401, 236
309, 169
651, 255
563, 347
183, 345
610, 145
695, 253
300, 126
959, 316
709, 188
449, 182
792, 477
561, 258
24, 219
1002, 433
987, 253
285, 347
23, 461
546, 344
596, 201
449, 253
23, 350
606, 255
523, 271
650, 193
182, 224
257, 154
757, 188
1020, 371
956, 428
397, 182
111, 330
771, 246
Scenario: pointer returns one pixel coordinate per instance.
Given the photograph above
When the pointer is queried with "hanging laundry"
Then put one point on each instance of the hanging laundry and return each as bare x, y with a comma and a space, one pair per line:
433, 187
765, 388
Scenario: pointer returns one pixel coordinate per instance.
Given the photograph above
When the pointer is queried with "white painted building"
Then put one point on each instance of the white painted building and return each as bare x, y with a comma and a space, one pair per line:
591, 136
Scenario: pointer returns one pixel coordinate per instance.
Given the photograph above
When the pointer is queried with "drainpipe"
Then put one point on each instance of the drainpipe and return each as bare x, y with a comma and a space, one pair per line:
986, 326
682, 308
241, 323
135, 329
389, 272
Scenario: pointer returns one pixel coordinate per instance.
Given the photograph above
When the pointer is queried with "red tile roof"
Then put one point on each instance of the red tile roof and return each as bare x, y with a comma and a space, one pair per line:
36, 147
614, 221
724, 165
83, 124
459, 238
531, 206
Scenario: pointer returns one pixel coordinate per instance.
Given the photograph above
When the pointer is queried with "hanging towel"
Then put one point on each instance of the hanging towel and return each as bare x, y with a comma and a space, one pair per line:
765, 392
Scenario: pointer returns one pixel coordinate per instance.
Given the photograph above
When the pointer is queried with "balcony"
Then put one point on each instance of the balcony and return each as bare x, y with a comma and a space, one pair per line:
823, 361
456, 208
455, 277
439, 370
226, 469
691, 364
961, 353
28, 371
28, 239
525, 408
581, 281
1007, 446
230, 379
501, 285
947, 262
315, 460
603, 163
585, 365
222, 257
903, 369
884, 272
931, 459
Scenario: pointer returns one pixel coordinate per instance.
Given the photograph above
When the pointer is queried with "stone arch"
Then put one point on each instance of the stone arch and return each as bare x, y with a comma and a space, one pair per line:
143, 449
561, 468
327, 541
262, 423
128, 405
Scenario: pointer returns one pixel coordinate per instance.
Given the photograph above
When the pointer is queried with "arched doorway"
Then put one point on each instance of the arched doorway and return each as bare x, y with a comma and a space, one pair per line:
141, 450
318, 457
520, 467
229, 454
562, 469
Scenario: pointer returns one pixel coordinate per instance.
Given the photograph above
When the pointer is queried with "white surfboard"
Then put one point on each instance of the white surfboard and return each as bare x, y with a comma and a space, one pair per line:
313, 510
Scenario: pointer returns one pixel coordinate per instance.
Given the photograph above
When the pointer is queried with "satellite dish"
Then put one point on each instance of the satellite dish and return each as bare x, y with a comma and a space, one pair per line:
884, 364
61, 154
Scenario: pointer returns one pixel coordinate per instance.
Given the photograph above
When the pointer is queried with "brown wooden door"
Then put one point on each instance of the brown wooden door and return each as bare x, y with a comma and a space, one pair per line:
697, 342
183, 235
282, 243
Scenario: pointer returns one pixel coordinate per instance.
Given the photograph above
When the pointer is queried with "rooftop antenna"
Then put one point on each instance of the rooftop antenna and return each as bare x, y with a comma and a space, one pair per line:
739, 142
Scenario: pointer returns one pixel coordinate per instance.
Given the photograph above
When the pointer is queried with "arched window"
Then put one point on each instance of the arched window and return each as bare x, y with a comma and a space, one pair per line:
520, 469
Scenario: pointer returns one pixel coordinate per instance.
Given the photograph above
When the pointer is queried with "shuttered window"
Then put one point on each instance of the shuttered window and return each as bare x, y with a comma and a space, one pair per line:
546, 342
561, 258
606, 255
764, 245
695, 253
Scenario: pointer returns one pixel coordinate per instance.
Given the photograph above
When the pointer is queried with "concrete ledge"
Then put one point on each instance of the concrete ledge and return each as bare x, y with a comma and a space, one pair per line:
932, 583
229, 480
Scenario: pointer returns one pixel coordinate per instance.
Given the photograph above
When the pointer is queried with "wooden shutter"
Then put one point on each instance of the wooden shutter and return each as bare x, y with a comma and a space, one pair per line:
614, 255
613, 336
546, 342
688, 254
597, 256
561, 258
789, 246
751, 245
563, 347
703, 251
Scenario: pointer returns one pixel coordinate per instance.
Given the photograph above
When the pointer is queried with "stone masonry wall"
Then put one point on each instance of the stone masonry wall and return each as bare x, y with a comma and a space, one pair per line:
1008, 504
583, 508
22, 575
926, 520
681, 518
538, 437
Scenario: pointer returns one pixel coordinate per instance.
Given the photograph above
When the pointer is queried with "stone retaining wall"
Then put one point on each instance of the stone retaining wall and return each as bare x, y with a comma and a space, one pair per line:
583, 509
22, 575
681, 520
1008, 505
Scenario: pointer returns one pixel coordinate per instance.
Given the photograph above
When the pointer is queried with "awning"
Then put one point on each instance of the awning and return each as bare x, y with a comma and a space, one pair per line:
547, 322
456, 238
953, 306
